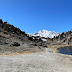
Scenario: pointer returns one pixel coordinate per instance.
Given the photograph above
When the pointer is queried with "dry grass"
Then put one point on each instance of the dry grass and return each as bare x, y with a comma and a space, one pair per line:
2, 34
25, 52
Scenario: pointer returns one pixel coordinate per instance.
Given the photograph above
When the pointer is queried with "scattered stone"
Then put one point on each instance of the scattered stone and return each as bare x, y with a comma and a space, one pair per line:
35, 44
45, 46
15, 44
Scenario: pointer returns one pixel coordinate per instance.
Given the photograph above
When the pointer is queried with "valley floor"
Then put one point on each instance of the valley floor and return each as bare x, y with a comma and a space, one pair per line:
36, 62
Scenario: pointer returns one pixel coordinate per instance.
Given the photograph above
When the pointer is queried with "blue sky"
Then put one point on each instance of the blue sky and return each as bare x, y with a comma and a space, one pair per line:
34, 15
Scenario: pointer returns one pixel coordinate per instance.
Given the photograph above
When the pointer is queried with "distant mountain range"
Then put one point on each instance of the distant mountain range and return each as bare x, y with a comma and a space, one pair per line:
45, 33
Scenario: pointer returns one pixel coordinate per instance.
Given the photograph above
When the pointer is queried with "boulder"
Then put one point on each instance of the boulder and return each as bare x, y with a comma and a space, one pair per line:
15, 44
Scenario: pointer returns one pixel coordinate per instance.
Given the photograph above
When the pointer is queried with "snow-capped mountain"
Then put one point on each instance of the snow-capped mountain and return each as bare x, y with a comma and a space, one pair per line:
45, 33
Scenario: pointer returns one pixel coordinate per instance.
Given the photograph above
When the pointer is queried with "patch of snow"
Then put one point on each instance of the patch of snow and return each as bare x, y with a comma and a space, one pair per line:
45, 33
44, 39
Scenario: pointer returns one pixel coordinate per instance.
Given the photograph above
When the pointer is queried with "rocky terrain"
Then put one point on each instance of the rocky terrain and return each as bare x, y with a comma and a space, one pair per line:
50, 38
21, 53
14, 40
62, 39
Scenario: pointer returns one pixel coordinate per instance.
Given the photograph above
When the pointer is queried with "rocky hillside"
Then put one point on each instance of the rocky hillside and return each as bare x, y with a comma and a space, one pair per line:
63, 38
8, 30
13, 40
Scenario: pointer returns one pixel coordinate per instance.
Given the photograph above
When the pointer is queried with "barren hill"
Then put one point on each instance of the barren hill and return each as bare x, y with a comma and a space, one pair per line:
13, 40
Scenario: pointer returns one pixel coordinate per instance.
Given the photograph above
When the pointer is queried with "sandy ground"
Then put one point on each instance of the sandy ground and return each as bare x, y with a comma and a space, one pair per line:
46, 61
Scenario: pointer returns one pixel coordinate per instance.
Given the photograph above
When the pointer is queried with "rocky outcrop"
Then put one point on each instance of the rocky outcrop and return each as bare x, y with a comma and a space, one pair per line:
64, 38
15, 44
